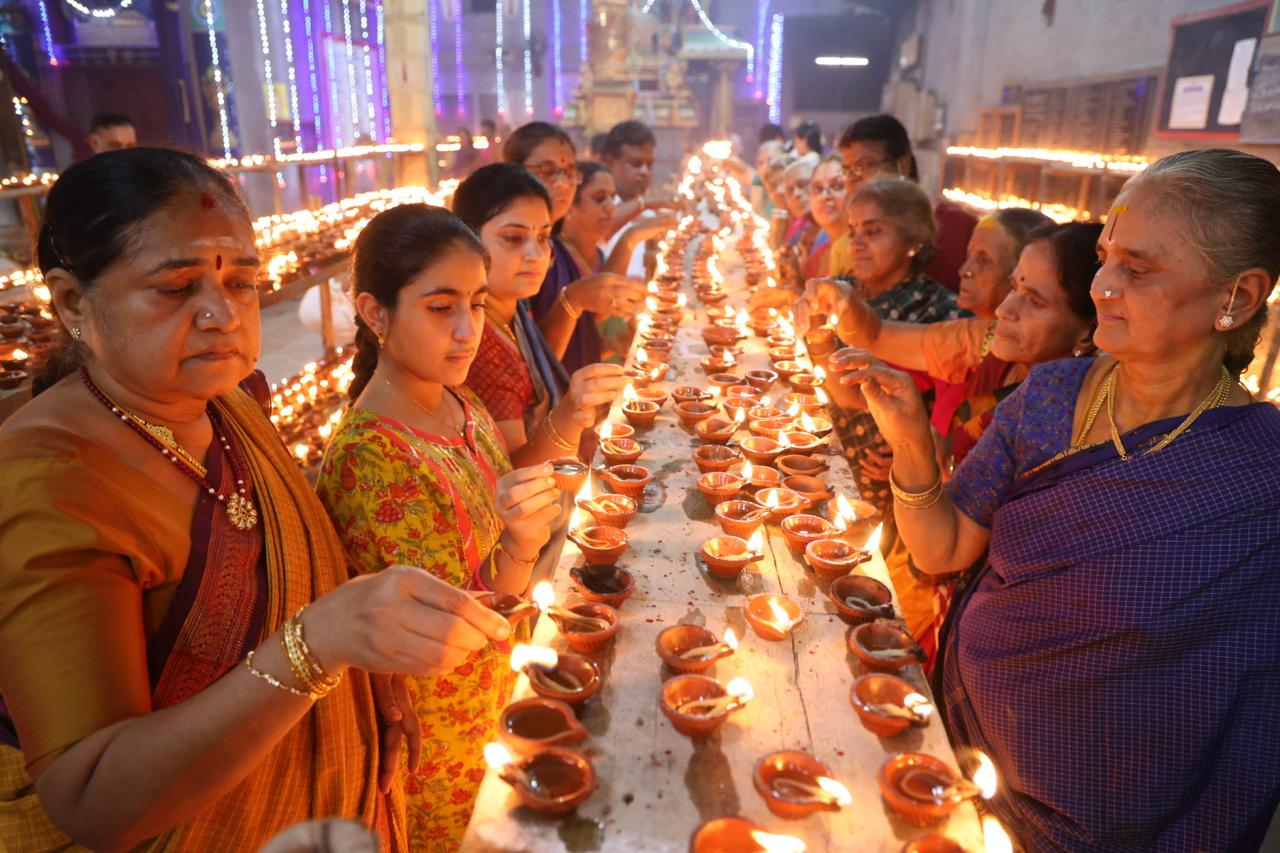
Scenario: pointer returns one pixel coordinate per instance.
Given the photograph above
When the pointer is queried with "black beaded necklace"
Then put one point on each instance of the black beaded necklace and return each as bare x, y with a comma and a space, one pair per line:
239, 507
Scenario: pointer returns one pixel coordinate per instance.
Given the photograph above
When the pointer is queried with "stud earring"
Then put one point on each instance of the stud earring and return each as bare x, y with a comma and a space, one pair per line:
1227, 320
75, 333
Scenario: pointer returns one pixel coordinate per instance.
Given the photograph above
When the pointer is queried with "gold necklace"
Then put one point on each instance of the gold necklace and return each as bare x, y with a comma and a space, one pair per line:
1216, 397
459, 432
502, 326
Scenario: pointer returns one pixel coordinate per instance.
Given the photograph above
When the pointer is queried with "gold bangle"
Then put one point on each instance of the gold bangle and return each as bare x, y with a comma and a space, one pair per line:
296, 664
325, 680
563, 299
271, 679
556, 438
502, 549
306, 669
917, 500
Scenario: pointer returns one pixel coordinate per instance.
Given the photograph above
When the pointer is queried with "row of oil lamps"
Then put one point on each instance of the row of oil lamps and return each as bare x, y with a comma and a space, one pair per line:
770, 475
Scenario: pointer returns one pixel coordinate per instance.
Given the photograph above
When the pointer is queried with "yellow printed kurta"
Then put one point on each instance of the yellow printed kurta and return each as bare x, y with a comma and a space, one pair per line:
399, 495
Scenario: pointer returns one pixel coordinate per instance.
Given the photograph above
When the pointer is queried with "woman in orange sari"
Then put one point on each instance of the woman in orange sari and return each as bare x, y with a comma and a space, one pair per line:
417, 472
175, 610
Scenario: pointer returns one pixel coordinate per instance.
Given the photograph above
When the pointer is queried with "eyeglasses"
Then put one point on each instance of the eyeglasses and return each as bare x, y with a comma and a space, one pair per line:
862, 168
833, 188
548, 174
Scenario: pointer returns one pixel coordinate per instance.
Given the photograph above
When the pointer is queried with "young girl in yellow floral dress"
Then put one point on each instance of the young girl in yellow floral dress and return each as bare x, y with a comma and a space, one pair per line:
417, 474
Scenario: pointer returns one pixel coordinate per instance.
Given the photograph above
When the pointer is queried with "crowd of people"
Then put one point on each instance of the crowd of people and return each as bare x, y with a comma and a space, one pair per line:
1081, 501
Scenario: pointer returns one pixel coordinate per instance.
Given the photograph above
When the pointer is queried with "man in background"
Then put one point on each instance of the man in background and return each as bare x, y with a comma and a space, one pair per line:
111, 132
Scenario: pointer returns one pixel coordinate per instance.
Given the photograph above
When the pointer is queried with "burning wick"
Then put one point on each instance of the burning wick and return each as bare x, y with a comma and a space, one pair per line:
540, 663
500, 759
730, 643
779, 617
772, 843
739, 693
915, 707
544, 596
844, 513
827, 790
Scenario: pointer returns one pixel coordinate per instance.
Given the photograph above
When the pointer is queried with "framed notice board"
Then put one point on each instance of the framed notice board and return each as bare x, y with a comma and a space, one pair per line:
1206, 81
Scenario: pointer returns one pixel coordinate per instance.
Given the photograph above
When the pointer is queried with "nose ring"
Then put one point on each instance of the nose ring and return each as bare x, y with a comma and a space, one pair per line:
1108, 294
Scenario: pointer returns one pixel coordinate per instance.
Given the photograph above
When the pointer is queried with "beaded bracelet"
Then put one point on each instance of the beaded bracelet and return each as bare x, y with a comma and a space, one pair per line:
917, 500
271, 679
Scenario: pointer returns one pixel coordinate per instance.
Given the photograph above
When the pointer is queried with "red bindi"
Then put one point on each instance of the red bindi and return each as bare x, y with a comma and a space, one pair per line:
206, 200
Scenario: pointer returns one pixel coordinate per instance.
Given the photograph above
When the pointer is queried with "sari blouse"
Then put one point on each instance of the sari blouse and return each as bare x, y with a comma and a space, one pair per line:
1116, 656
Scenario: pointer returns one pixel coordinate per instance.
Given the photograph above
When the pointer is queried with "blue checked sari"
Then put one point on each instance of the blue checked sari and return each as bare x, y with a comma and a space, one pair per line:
1118, 656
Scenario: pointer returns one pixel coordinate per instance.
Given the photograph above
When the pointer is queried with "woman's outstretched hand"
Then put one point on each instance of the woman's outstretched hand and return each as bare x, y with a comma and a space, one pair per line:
890, 395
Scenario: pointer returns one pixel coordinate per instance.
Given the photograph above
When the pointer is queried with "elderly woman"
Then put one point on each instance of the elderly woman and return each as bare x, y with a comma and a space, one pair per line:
878, 146
1115, 653
174, 603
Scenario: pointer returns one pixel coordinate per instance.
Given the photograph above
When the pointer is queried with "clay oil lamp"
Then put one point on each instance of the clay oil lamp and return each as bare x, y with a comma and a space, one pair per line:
12, 328
715, 430
771, 428
728, 353
761, 450
13, 357
569, 472
740, 518
787, 369
718, 486
821, 340
511, 607
568, 678
620, 451
721, 336
761, 380
782, 355
884, 646
639, 413
603, 584
711, 295
628, 480
794, 785
724, 380
814, 404
690, 412
922, 789
782, 503
715, 457
727, 556
689, 394
642, 377
733, 405
800, 442
791, 464
850, 516
713, 364
736, 835
811, 487
779, 339
744, 390
860, 599
690, 648
612, 430
819, 426
801, 529
599, 544
833, 558
935, 843
802, 381
658, 352
772, 616
552, 781
887, 705
10, 379
757, 476
765, 411
610, 510
720, 312
764, 322
697, 705
586, 627
533, 724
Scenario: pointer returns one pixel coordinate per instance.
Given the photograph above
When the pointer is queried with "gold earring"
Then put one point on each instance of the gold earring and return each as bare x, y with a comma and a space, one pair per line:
75, 333
1227, 320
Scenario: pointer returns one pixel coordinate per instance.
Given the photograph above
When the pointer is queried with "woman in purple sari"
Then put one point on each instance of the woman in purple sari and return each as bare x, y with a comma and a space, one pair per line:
1115, 651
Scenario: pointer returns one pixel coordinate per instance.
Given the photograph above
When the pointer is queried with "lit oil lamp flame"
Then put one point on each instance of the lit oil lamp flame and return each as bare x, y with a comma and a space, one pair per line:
682, 300
771, 501
994, 835
629, 393
741, 690
985, 776
919, 705
543, 595
579, 519
301, 451
606, 431
740, 417
819, 375
837, 790
756, 543
497, 756
833, 320
873, 541
773, 312
642, 359
779, 616
651, 303
714, 392
806, 423
747, 471
821, 395
730, 639
772, 843
325, 430
742, 318
19, 355
526, 655
845, 514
